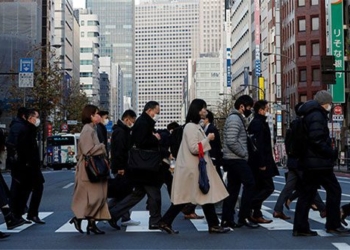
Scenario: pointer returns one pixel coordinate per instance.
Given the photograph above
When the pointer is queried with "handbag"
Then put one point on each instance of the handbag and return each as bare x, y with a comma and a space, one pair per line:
202, 167
142, 159
119, 187
97, 167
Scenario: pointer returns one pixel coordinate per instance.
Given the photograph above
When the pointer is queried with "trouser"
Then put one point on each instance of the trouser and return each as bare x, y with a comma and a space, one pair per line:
4, 192
112, 203
153, 202
238, 172
264, 187
174, 210
37, 194
19, 196
311, 181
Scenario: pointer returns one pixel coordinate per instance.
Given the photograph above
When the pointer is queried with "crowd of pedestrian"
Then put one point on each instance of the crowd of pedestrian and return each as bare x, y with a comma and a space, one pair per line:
142, 159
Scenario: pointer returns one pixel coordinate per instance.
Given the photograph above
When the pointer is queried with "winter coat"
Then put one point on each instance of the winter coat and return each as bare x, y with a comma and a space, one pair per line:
89, 199
260, 130
319, 152
143, 138
120, 145
215, 152
16, 126
28, 170
235, 137
103, 136
185, 187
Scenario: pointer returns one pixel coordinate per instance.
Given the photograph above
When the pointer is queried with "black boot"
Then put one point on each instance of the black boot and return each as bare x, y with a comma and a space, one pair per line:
3, 235
93, 228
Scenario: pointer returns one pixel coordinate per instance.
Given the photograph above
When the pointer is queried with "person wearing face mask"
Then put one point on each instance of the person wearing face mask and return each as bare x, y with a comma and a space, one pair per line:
317, 166
235, 163
121, 143
102, 130
261, 162
146, 182
28, 177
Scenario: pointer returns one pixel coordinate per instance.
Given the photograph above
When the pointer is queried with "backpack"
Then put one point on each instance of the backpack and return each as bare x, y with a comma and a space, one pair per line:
175, 140
296, 138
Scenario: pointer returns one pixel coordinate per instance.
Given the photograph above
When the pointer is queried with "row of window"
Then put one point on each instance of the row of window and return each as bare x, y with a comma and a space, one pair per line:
315, 49
315, 23
89, 34
89, 23
302, 3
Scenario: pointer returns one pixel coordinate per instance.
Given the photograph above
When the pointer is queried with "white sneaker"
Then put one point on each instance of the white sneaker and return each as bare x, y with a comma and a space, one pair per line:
130, 223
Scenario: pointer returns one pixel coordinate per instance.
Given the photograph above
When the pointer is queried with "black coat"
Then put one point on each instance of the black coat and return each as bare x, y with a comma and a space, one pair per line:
143, 138
17, 125
102, 136
263, 157
216, 147
120, 145
28, 168
319, 153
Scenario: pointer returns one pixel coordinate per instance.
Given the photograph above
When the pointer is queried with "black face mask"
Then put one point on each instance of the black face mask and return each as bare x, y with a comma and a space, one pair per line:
247, 113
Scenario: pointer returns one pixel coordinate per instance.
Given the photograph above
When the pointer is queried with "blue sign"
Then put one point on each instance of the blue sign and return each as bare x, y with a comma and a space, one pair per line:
279, 118
26, 65
109, 126
228, 73
257, 67
246, 76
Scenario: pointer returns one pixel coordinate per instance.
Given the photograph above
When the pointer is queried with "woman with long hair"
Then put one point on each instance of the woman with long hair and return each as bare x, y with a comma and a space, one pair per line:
185, 188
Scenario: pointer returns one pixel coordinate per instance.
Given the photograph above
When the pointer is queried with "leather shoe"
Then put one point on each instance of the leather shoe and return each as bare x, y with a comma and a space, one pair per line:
3, 235
218, 230
230, 225
247, 223
323, 214
287, 203
36, 219
167, 228
307, 233
13, 222
153, 227
113, 224
193, 216
260, 220
280, 215
339, 230
343, 217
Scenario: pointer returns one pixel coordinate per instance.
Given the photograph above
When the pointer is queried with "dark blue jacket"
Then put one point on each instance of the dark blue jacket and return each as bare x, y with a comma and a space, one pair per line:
319, 152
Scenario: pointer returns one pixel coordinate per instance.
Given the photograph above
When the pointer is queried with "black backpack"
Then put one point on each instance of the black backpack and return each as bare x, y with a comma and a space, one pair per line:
296, 138
175, 140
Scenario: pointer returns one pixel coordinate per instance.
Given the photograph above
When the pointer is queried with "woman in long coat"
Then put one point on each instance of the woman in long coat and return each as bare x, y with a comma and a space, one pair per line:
185, 188
89, 199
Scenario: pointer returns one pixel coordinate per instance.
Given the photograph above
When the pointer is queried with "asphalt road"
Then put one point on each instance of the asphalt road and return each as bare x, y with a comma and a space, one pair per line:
57, 233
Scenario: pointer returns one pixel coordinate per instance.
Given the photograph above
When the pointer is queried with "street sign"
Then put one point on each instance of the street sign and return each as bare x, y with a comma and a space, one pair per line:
72, 122
26, 75
338, 110
339, 118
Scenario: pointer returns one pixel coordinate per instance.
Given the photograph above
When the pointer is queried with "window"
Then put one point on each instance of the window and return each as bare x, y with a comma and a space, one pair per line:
82, 23
316, 75
314, 2
315, 49
302, 75
302, 49
301, 3
302, 25
315, 23
82, 34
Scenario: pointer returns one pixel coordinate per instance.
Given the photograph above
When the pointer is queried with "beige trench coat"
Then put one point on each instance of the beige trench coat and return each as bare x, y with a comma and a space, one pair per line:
89, 199
185, 183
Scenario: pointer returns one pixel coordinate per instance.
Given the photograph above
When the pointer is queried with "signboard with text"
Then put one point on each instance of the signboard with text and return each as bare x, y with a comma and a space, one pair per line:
26, 73
337, 48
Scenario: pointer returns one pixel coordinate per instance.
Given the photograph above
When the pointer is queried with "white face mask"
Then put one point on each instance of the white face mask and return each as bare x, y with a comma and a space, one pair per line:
131, 125
267, 114
106, 121
156, 117
37, 122
329, 108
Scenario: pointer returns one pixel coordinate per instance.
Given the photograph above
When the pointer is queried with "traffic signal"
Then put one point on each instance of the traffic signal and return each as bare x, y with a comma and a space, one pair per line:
328, 70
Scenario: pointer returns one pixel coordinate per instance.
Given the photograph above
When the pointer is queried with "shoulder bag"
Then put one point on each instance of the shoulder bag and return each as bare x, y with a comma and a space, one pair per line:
143, 159
97, 167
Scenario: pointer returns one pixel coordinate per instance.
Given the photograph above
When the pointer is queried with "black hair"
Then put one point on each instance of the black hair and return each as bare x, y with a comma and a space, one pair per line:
244, 100
261, 104
128, 113
150, 105
172, 125
88, 111
103, 112
30, 113
210, 116
21, 112
297, 106
193, 111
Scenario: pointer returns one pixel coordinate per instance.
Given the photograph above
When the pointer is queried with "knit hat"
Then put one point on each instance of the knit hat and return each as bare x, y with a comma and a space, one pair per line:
323, 97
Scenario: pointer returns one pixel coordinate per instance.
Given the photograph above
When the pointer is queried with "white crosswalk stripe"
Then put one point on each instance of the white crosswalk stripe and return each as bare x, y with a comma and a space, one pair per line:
3, 228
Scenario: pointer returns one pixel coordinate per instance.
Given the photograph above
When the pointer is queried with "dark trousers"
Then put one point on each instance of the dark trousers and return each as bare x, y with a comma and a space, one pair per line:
153, 203
311, 181
264, 187
4, 192
174, 210
238, 173
37, 194
19, 196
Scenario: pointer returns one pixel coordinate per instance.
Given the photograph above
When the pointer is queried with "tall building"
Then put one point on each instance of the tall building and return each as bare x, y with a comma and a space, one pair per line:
89, 55
117, 40
166, 36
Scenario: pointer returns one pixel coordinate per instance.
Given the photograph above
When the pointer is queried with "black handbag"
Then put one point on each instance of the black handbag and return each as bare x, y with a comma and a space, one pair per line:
97, 167
202, 167
142, 159
119, 187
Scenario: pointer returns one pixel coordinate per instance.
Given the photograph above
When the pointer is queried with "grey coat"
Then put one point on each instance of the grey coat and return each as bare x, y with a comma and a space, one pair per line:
235, 137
